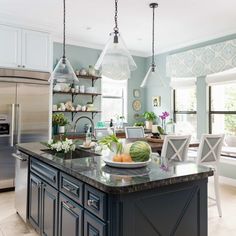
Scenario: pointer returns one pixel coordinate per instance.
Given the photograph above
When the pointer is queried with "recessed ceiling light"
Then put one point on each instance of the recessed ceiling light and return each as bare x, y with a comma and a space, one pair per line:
88, 28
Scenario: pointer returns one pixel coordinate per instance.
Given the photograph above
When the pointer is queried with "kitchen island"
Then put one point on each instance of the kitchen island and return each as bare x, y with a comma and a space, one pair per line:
85, 197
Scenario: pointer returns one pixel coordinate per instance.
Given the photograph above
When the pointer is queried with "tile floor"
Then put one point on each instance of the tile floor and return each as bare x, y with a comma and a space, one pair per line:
12, 225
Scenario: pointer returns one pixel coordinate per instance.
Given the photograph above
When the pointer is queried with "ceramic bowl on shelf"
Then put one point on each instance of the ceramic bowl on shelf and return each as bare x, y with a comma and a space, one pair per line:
83, 72
77, 72
57, 88
64, 87
90, 107
84, 108
78, 108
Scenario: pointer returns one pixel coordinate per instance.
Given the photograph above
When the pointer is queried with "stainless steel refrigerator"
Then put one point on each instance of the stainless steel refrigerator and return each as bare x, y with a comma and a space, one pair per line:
24, 116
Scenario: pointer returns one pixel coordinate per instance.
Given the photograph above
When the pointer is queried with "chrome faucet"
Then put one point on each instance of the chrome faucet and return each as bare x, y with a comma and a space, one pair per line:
85, 117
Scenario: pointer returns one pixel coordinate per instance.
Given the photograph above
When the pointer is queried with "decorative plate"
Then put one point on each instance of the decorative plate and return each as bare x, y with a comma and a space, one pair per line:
137, 105
136, 93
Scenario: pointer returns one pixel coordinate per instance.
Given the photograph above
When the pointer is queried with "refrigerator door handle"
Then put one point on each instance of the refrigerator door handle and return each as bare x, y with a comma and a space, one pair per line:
12, 124
18, 157
18, 122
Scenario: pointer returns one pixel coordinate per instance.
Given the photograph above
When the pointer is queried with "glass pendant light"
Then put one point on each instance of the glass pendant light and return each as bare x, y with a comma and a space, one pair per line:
63, 71
115, 60
153, 65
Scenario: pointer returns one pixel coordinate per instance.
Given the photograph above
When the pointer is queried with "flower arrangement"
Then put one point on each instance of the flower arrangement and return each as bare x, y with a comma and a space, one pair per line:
163, 117
62, 146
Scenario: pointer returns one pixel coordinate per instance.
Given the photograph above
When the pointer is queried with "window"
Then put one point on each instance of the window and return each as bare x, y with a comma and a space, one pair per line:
185, 102
222, 109
114, 98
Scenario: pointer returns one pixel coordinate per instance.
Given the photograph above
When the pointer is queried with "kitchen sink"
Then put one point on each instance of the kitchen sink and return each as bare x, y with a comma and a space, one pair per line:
78, 153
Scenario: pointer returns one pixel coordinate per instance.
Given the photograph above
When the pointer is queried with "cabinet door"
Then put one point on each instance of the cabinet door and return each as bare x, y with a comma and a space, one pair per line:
34, 201
36, 50
10, 46
49, 210
93, 226
70, 218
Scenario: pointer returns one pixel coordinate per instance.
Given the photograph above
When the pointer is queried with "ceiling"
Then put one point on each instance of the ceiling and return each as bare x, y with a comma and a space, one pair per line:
179, 23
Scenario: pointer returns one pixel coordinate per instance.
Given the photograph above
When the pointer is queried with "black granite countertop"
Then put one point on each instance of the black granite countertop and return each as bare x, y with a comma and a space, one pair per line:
93, 171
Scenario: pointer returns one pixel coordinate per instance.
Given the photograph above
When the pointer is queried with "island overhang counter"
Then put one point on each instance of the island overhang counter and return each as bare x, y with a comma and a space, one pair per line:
85, 197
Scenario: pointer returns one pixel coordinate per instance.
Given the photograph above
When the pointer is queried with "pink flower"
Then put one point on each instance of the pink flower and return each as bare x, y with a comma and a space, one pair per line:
164, 115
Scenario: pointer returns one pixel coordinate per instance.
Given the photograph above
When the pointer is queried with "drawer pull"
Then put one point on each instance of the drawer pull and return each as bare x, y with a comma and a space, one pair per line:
69, 188
92, 203
66, 205
44, 174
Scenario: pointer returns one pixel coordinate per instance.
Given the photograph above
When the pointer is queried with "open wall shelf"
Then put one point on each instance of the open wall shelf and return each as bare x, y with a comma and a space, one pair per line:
70, 93
73, 113
90, 77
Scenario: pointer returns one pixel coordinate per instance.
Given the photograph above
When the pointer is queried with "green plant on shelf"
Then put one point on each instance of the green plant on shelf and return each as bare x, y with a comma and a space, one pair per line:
59, 119
149, 116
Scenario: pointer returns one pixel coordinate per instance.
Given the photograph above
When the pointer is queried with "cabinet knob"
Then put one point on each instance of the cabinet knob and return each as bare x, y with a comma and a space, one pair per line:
18, 65
92, 202
23, 66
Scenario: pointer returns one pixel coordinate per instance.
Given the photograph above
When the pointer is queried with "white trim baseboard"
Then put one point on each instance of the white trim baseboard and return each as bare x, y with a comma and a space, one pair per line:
227, 181
228, 160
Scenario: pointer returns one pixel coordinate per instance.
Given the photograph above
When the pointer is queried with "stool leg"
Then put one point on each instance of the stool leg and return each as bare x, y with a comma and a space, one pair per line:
217, 194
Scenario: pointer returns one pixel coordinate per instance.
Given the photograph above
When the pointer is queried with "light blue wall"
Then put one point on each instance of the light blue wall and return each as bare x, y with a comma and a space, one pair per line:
158, 85
83, 57
153, 89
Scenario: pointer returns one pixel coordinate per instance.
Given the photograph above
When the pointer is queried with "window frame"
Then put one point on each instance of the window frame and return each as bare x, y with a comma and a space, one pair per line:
211, 112
124, 95
175, 112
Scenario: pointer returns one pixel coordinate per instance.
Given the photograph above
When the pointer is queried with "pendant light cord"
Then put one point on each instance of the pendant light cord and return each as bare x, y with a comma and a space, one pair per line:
116, 29
64, 29
153, 39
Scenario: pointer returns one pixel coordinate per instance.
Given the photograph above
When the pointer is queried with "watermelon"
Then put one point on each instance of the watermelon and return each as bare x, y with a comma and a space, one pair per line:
140, 151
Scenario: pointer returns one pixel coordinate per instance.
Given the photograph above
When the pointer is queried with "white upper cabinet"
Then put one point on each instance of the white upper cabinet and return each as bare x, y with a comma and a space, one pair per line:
25, 49
10, 46
36, 50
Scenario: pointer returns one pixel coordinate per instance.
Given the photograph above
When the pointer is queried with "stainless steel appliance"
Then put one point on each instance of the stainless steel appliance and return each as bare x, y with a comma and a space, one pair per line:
21, 182
24, 115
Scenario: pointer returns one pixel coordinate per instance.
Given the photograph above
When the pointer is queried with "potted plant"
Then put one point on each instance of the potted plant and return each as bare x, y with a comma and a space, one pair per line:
149, 118
59, 121
163, 117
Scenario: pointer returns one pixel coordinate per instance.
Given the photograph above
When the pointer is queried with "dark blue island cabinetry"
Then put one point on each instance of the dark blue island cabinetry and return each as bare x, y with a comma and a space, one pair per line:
83, 197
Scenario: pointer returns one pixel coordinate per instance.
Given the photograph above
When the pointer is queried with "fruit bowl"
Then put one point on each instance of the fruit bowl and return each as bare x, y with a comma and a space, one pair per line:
109, 161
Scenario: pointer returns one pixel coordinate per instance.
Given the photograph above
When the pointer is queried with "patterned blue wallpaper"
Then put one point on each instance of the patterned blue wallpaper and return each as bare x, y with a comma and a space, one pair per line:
203, 61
